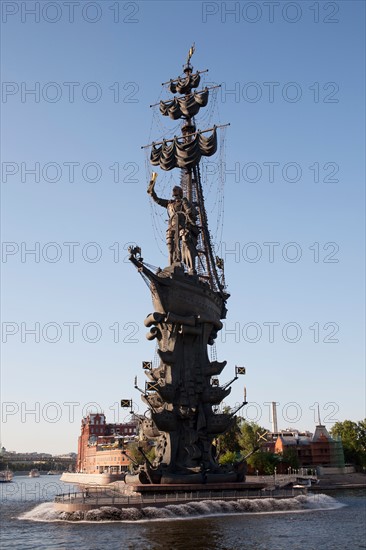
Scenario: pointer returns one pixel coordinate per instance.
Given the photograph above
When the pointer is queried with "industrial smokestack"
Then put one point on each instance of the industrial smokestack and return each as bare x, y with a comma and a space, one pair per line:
274, 417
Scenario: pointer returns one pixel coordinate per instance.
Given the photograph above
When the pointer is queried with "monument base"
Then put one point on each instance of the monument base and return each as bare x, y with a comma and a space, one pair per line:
143, 496
215, 489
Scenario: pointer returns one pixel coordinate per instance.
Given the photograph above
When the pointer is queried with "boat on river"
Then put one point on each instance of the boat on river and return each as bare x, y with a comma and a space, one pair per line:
6, 476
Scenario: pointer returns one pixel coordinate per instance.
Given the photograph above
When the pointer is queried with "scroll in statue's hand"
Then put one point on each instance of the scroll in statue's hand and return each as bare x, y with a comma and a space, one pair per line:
150, 189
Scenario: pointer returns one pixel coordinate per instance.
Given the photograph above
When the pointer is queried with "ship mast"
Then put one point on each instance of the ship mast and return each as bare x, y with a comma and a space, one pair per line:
188, 127
192, 185
185, 153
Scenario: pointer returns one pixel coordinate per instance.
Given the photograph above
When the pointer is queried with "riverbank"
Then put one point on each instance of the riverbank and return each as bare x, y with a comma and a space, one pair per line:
325, 482
332, 482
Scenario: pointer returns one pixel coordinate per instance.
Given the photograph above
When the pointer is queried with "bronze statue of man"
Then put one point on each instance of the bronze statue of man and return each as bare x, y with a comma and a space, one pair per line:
182, 232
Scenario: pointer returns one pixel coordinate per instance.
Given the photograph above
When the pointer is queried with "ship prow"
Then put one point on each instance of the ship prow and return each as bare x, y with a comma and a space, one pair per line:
174, 290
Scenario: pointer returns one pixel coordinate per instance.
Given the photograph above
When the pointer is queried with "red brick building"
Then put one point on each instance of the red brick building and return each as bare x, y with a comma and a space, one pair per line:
100, 445
318, 449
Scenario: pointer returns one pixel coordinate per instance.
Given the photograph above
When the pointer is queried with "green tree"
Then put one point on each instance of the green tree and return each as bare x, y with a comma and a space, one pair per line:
289, 456
361, 435
229, 457
241, 440
264, 462
353, 437
228, 444
250, 437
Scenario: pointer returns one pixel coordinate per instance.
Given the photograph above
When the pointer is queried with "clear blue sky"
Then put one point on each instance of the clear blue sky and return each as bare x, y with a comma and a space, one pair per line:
297, 75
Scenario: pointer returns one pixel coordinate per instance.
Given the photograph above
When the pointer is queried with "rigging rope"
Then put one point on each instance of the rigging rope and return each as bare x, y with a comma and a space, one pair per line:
212, 182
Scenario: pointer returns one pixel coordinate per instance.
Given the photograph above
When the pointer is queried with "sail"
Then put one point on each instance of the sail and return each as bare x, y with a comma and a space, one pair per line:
184, 106
183, 155
185, 84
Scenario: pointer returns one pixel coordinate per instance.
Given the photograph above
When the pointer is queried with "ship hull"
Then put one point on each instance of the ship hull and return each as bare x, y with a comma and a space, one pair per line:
186, 300
173, 290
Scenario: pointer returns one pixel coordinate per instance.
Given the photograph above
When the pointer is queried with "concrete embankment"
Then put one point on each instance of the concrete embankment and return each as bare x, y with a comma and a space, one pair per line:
334, 482
326, 482
91, 479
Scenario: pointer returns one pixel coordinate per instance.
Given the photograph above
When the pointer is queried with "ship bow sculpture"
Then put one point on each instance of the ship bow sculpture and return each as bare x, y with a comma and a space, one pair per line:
189, 298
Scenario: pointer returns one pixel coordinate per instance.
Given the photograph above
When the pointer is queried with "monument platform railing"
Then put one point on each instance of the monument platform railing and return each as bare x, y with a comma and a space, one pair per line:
108, 499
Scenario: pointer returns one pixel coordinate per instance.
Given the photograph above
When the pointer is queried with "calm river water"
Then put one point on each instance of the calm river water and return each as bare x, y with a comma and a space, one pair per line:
319, 522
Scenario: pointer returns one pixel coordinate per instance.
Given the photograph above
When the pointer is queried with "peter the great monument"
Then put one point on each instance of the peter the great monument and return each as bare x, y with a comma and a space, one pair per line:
189, 298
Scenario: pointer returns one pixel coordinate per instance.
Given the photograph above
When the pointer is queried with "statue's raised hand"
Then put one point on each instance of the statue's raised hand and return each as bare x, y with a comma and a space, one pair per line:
150, 189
